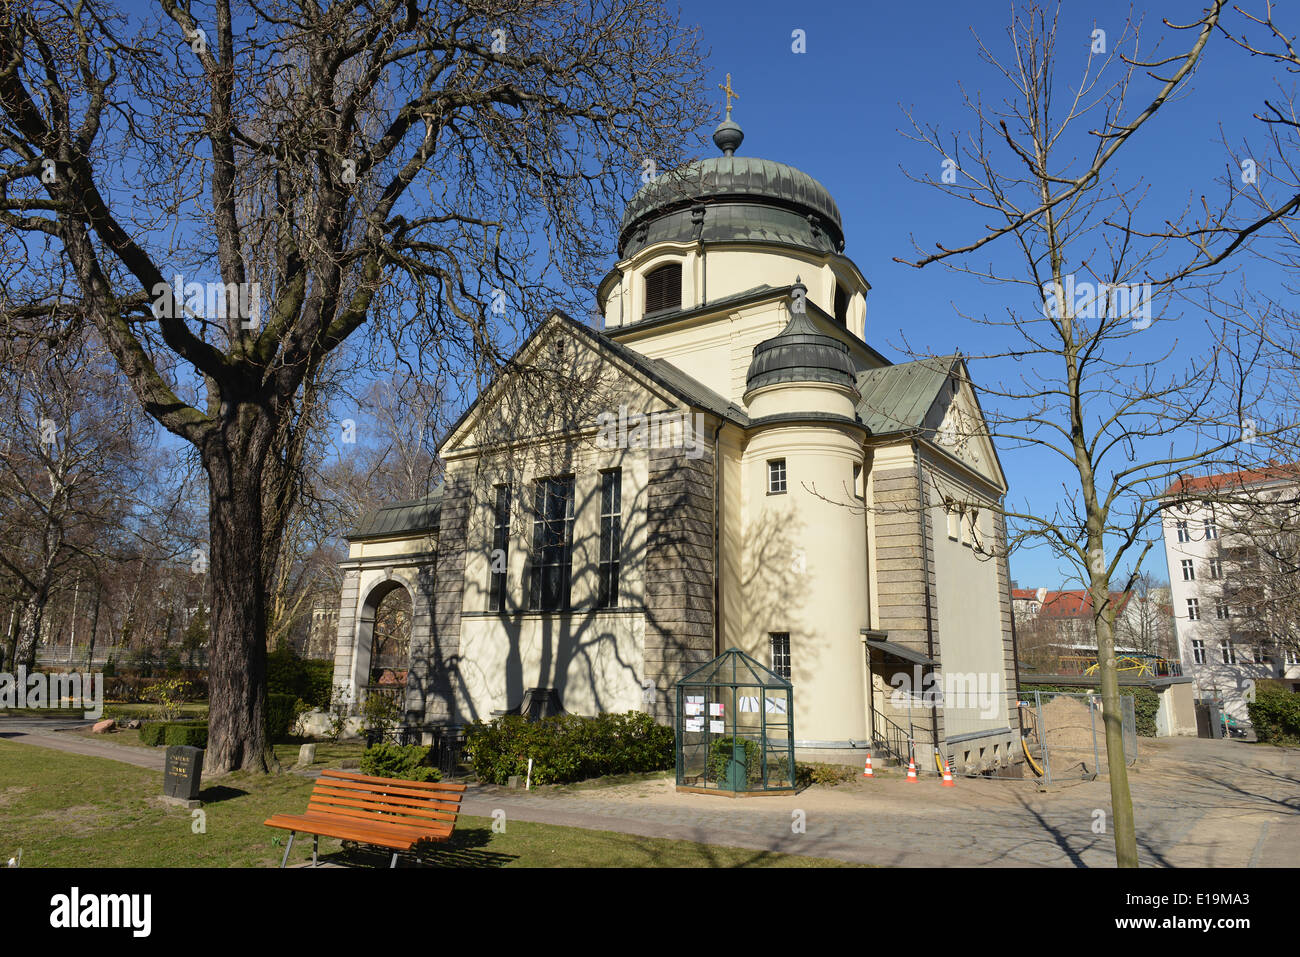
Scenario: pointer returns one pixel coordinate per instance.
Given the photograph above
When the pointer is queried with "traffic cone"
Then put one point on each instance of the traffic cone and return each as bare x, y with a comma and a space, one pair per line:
948, 782
866, 768
911, 772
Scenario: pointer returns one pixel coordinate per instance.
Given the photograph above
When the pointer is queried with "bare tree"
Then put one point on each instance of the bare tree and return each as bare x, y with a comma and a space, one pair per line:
434, 174
1099, 387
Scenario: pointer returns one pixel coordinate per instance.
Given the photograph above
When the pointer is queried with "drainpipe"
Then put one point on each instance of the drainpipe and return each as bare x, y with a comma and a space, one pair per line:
925, 567
717, 537
1011, 608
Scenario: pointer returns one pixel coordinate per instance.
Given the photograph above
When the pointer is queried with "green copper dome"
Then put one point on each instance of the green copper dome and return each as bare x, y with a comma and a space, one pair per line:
732, 199
800, 353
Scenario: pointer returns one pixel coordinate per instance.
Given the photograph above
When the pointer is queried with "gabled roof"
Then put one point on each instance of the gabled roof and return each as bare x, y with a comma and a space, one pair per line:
664, 374
402, 518
896, 398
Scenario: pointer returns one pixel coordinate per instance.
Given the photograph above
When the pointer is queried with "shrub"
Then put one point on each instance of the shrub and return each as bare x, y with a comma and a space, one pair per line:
193, 734
310, 680
170, 696
280, 715
1275, 714
568, 747
408, 762
720, 754
829, 774
380, 713
319, 683
152, 733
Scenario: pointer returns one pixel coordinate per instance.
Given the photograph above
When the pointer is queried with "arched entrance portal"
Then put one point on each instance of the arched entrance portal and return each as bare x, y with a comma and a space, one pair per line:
383, 644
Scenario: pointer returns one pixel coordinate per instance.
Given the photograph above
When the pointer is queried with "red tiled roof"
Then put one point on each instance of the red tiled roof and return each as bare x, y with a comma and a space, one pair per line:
1202, 483
1068, 603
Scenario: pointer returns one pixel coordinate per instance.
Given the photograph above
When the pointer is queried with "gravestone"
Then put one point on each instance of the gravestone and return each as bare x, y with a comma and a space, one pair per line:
306, 755
182, 775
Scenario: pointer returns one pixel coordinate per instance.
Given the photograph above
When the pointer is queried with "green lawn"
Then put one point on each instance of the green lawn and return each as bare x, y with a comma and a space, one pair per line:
65, 810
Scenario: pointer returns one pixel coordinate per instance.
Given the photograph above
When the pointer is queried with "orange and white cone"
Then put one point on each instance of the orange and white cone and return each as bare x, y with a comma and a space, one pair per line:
866, 768
948, 782
911, 772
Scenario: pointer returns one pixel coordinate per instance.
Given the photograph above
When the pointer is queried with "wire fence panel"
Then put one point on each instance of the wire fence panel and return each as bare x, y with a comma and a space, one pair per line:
1068, 735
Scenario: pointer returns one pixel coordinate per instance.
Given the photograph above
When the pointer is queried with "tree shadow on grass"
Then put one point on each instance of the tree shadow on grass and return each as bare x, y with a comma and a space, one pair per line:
467, 847
219, 792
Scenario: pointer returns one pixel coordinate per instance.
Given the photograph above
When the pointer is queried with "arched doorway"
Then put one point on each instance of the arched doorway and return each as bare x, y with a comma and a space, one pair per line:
383, 647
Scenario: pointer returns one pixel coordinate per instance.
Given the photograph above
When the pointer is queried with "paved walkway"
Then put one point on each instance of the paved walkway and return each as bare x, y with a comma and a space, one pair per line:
1197, 803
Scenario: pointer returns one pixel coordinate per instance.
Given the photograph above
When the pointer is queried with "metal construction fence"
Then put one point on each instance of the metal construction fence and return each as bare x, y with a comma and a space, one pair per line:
1065, 734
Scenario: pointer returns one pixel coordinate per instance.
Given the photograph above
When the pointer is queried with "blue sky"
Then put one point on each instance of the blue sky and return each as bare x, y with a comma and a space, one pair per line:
836, 112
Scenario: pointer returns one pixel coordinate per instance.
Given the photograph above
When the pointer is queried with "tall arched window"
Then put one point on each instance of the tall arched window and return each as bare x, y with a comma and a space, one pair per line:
841, 305
663, 288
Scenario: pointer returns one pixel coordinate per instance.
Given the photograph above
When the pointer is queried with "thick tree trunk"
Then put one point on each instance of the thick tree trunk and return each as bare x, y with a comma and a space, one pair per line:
1121, 800
237, 738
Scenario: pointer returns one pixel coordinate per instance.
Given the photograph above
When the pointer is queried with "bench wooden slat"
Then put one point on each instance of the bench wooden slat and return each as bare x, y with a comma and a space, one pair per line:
346, 830
395, 800
362, 814
376, 809
415, 785
417, 797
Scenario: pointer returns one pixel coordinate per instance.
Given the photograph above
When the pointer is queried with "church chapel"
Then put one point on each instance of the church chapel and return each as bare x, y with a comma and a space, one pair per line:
728, 464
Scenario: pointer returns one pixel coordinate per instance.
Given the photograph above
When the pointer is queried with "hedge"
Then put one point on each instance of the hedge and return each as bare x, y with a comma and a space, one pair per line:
568, 747
280, 715
408, 762
157, 733
308, 679
1146, 702
1275, 714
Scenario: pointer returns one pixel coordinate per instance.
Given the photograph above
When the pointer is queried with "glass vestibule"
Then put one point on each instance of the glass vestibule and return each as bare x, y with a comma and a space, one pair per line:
735, 728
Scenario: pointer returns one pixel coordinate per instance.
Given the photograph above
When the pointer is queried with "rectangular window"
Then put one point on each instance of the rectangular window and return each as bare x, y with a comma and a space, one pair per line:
858, 490
1189, 570
551, 561
498, 559
954, 524
776, 477
1290, 655
1193, 609
1221, 610
1198, 651
1211, 530
1216, 568
780, 652
1183, 535
611, 536
1228, 652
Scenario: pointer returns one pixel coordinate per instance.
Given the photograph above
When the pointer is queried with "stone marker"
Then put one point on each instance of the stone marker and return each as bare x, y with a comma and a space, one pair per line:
512, 781
306, 755
103, 727
182, 774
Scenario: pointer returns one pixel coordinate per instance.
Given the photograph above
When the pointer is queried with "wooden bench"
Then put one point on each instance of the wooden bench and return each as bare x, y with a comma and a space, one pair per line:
386, 812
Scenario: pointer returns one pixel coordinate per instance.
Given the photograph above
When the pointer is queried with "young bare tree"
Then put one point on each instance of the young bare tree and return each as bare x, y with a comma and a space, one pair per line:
1096, 376
72, 462
431, 173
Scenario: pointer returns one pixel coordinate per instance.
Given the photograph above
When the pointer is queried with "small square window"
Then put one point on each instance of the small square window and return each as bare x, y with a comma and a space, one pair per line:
776, 478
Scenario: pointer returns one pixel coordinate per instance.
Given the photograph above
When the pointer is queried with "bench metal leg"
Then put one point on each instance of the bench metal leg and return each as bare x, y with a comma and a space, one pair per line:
315, 843
285, 859
394, 862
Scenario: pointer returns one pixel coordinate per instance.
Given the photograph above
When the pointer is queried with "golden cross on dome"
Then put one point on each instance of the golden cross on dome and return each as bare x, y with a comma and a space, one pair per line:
730, 93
